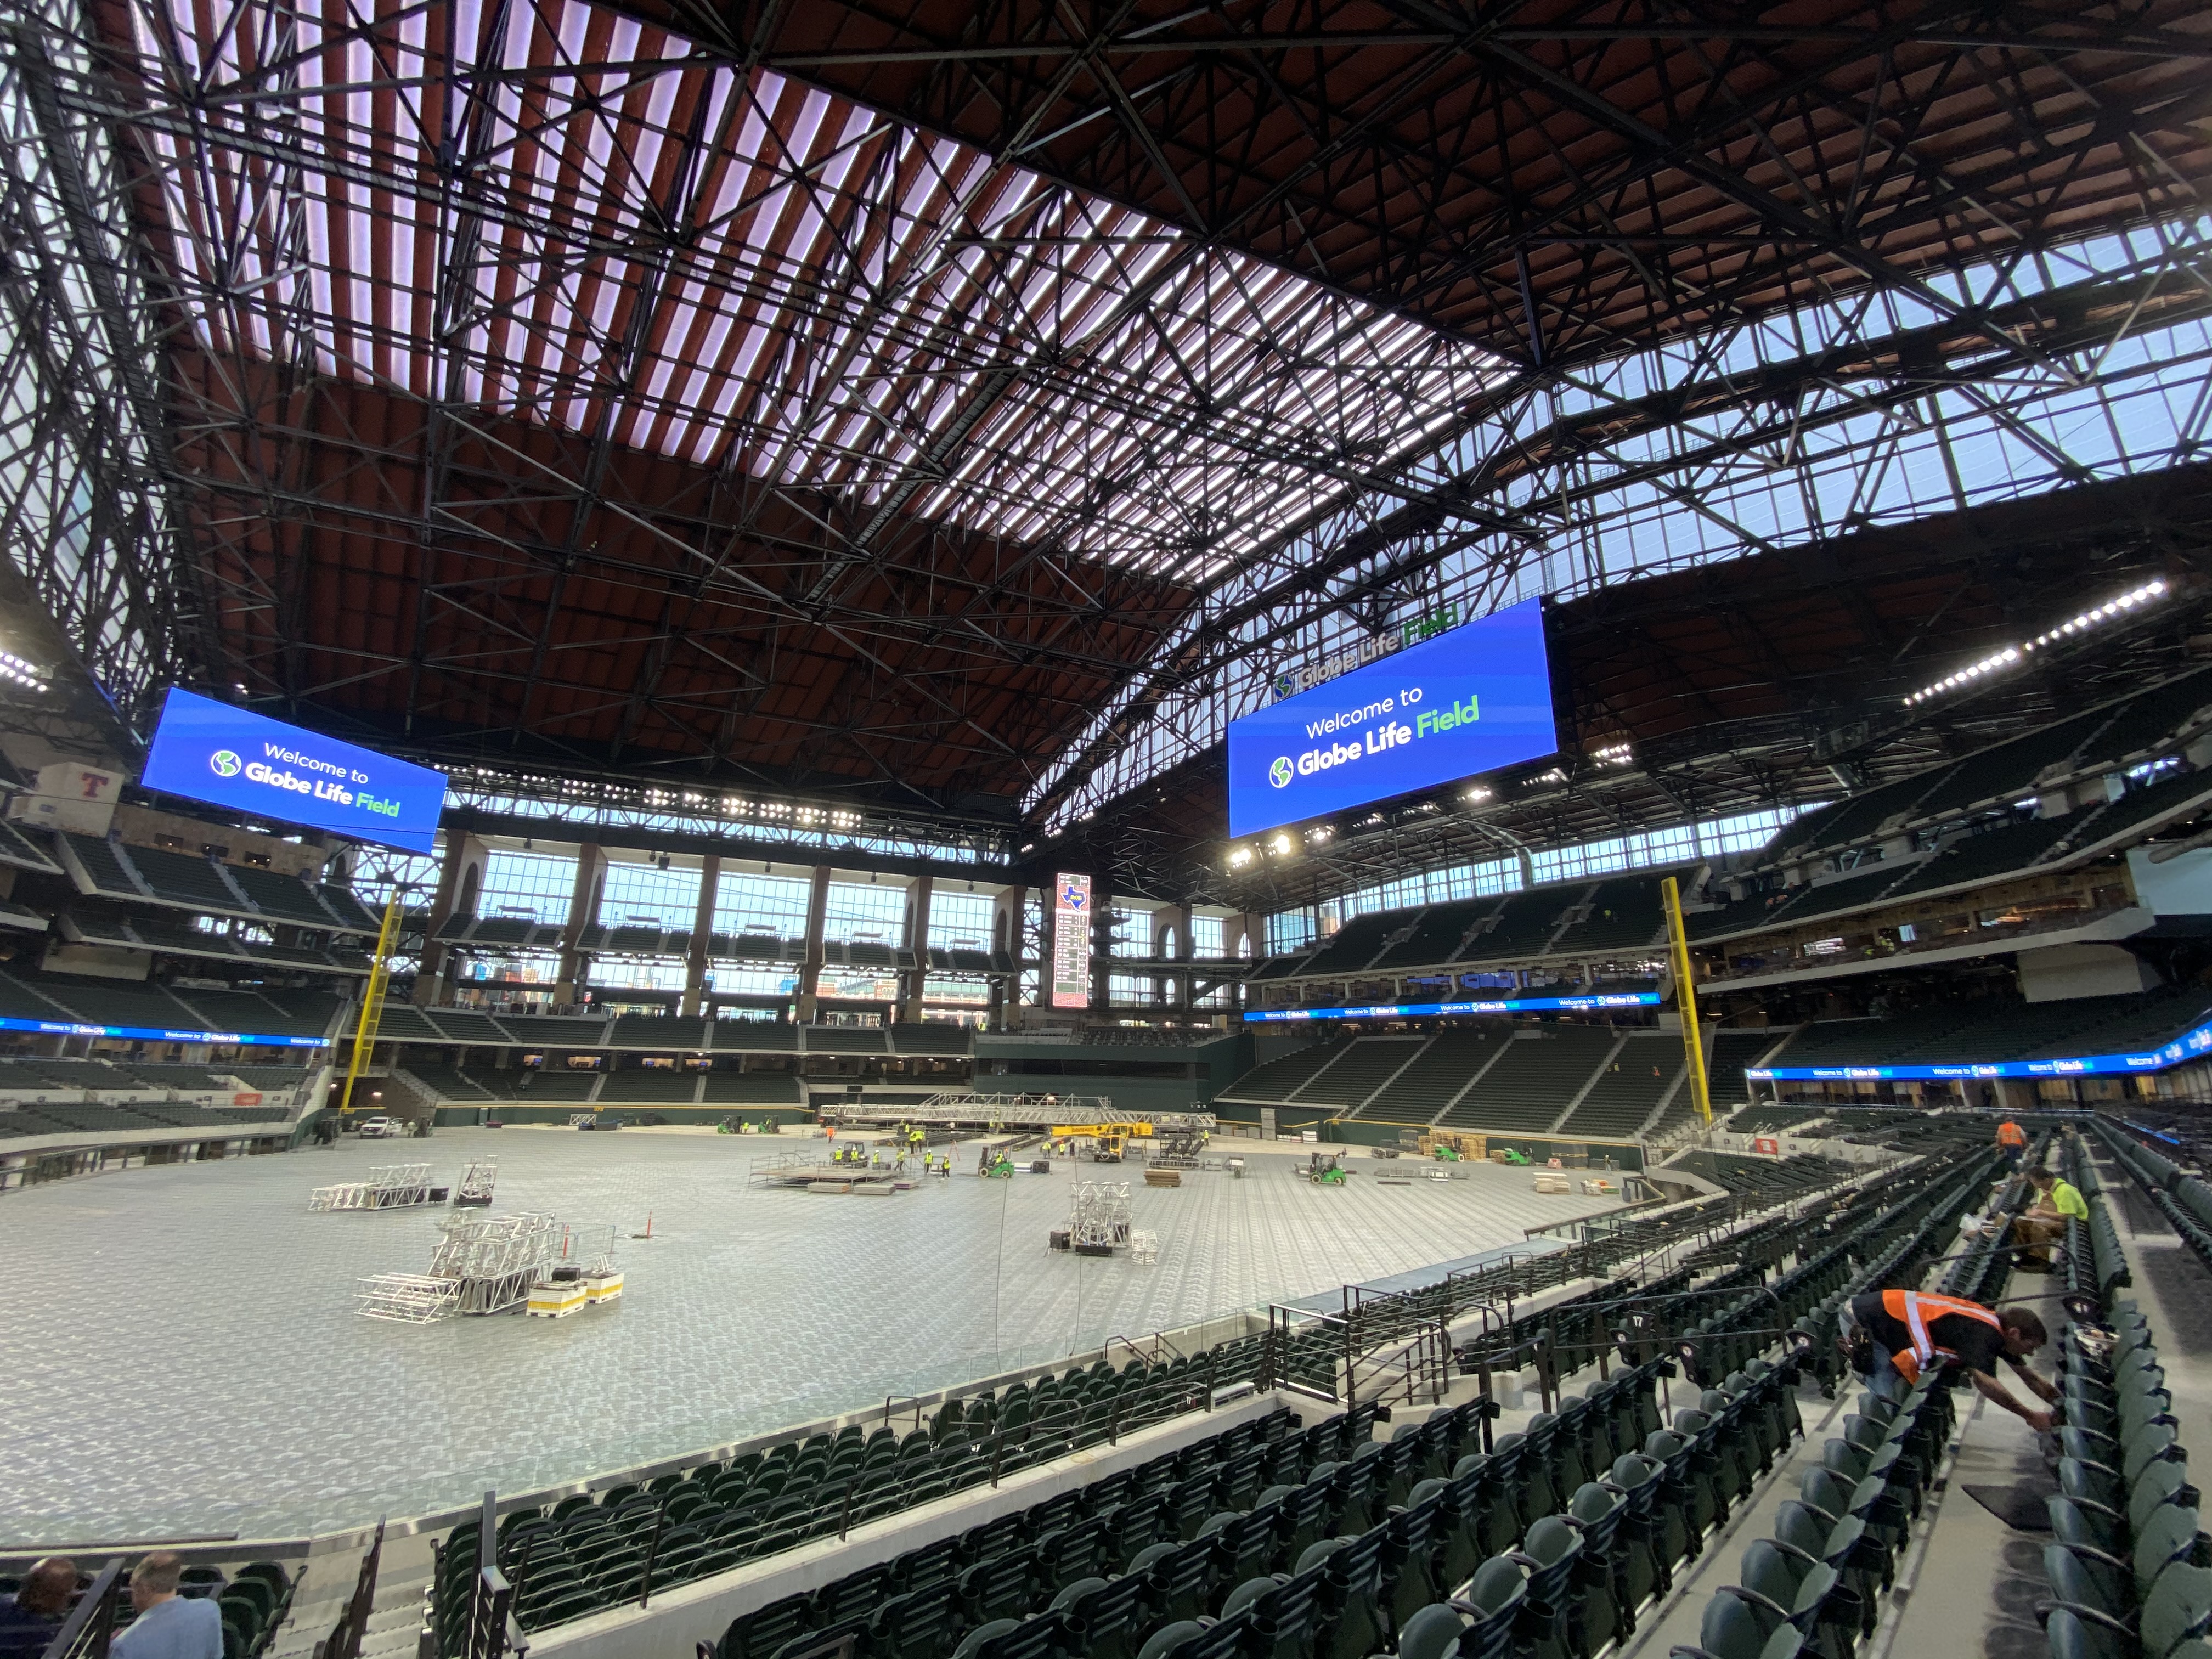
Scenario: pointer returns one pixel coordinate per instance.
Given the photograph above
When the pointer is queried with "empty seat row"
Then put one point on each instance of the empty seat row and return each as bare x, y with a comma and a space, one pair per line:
591, 1551
2127, 1565
1815, 1583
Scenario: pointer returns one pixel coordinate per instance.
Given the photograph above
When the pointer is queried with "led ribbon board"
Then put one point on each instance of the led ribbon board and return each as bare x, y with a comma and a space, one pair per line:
159, 1034
1467, 701
1502, 1006
2191, 1045
208, 751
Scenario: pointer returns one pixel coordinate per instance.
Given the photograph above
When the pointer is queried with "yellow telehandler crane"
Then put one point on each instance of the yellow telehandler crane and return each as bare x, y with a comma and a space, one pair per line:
1111, 1137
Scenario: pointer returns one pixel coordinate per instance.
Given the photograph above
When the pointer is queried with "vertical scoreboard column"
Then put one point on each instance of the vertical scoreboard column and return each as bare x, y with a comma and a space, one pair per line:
1068, 973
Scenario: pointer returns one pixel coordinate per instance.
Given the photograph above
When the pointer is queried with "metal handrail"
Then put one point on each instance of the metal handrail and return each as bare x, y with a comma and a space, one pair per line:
346, 1636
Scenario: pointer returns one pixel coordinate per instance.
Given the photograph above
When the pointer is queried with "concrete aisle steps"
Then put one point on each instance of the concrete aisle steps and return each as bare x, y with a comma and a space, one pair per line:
395, 1613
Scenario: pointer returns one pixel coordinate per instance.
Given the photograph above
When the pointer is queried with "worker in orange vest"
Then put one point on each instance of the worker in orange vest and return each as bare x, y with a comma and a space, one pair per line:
2012, 1141
1913, 1333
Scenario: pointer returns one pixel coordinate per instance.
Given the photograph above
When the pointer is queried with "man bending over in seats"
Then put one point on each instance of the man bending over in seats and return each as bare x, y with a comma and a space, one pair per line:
1912, 1331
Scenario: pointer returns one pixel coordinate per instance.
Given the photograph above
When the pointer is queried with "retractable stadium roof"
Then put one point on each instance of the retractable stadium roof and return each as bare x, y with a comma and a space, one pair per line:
856, 400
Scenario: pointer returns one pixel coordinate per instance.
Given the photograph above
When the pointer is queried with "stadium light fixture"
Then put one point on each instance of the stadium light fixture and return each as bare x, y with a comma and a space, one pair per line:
2133, 600
1612, 753
31, 678
1971, 672
1239, 857
1281, 846
1477, 795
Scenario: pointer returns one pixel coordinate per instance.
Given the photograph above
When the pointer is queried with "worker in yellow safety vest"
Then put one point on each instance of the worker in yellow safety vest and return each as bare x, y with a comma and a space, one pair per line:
1913, 1332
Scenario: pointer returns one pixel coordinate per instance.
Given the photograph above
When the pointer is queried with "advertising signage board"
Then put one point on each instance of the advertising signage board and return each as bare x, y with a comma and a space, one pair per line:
1582, 1005
2190, 1045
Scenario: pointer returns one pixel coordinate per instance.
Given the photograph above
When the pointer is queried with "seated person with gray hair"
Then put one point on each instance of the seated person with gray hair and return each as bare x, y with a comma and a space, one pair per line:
168, 1625
29, 1618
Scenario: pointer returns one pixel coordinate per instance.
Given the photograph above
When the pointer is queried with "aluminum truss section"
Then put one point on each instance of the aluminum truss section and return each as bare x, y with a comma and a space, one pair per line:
1098, 1217
389, 1186
407, 1298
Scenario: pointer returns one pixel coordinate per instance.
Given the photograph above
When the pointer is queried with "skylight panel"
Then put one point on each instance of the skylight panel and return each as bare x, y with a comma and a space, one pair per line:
818, 219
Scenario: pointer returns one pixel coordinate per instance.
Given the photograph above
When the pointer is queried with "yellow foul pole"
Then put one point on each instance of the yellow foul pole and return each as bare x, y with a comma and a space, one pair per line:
1686, 1000
372, 1000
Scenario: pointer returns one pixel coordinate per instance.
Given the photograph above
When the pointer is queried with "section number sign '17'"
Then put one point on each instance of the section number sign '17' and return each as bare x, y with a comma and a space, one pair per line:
1475, 698
208, 751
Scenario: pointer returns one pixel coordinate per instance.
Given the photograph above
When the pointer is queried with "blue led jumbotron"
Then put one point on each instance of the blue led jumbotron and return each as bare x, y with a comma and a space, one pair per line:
207, 750
1469, 701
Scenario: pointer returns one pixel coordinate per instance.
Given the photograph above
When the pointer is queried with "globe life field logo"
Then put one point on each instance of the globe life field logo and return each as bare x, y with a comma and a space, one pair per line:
225, 765
1281, 772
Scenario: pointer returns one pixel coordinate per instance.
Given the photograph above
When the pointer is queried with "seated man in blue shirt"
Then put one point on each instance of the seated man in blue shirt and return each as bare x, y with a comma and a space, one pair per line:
29, 1618
168, 1625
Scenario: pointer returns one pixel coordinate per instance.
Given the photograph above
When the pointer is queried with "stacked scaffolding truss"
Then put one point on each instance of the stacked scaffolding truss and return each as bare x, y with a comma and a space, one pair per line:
389, 1186
477, 1182
1098, 1217
407, 1298
483, 1265
495, 1257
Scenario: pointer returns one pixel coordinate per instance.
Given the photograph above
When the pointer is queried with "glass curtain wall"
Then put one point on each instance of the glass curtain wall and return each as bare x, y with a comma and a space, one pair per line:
645, 896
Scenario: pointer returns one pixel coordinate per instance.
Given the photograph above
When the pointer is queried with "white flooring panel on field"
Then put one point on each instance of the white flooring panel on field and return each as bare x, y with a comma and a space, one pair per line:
185, 1358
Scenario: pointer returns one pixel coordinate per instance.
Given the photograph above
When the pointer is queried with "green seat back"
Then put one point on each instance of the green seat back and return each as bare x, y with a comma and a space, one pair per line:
2169, 1535
1499, 1585
2178, 1609
1432, 1633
